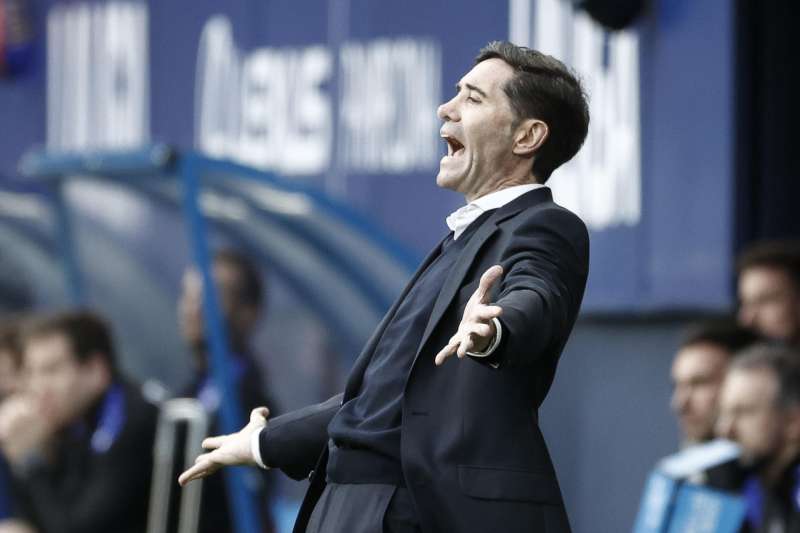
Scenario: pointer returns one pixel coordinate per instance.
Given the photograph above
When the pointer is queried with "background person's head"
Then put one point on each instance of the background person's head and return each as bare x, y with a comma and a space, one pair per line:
698, 371
241, 299
769, 289
69, 363
517, 115
760, 407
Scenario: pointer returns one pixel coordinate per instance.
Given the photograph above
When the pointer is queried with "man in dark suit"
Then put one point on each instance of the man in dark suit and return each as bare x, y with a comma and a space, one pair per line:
420, 441
78, 436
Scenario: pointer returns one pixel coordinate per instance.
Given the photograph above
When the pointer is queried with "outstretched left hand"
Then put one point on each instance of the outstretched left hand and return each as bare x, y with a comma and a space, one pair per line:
476, 329
227, 450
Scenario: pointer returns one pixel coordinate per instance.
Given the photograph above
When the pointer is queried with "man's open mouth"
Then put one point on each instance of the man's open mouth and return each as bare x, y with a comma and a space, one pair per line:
454, 147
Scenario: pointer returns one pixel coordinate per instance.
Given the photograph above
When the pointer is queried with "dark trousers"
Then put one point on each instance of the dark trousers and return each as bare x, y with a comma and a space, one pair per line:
364, 508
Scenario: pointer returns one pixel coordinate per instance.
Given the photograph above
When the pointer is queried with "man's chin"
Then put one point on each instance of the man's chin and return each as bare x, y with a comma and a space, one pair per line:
447, 180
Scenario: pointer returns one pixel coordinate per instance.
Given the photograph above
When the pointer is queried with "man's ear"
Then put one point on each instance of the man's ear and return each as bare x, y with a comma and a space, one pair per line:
530, 136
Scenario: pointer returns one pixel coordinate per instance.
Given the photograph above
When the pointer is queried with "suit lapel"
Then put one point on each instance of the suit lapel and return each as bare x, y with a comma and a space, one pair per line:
456, 276
469, 254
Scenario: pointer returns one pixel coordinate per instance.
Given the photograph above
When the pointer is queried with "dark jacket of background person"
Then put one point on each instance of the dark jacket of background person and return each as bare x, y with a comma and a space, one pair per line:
85, 489
473, 456
779, 504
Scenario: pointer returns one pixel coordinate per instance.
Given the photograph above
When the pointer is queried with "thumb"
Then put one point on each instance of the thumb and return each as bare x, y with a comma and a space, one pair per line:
259, 415
488, 279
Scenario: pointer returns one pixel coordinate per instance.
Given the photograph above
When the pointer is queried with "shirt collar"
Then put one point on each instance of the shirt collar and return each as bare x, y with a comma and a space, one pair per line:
461, 218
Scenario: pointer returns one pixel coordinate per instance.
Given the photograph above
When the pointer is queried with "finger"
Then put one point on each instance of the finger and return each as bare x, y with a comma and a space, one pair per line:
444, 353
212, 443
199, 470
487, 280
483, 330
203, 457
190, 475
486, 312
465, 346
259, 414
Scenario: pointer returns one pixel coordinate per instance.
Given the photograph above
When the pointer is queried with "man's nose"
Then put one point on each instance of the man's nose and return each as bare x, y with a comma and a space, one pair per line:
448, 111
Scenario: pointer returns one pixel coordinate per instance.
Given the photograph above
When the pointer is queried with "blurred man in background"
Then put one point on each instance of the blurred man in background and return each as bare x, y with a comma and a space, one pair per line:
760, 410
698, 371
78, 436
769, 290
241, 299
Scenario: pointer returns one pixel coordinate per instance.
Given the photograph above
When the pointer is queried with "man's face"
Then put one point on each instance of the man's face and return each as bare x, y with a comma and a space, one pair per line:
477, 126
697, 374
770, 303
60, 385
750, 415
190, 303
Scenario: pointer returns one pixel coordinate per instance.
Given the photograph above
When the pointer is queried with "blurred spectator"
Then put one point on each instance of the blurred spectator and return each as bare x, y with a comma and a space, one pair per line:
698, 371
760, 410
78, 436
10, 376
241, 299
769, 289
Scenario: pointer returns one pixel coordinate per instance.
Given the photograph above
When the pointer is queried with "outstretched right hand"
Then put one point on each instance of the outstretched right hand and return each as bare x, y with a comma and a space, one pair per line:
227, 450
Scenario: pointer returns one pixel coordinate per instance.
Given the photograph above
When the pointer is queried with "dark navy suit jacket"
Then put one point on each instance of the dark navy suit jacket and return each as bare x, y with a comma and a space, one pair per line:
472, 453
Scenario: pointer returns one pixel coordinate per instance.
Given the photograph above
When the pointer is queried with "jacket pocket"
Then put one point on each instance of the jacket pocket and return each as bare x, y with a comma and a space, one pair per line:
514, 485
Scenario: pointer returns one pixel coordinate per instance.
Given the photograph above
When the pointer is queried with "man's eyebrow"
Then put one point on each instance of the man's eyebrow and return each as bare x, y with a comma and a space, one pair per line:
471, 88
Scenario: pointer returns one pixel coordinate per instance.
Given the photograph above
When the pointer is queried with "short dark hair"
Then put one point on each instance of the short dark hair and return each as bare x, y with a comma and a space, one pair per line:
783, 361
779, 254
545, 89
722, 332
87, 333
250, 286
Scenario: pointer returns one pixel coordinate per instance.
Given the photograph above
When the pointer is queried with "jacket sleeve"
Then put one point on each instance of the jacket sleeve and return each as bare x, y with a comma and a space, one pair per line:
546, 265
293, 442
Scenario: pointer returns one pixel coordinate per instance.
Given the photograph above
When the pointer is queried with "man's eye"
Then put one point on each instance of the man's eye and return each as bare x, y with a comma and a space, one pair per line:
473, 100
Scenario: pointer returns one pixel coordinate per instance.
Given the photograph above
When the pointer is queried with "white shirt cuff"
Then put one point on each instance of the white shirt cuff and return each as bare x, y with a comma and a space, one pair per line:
255, 448
495, 342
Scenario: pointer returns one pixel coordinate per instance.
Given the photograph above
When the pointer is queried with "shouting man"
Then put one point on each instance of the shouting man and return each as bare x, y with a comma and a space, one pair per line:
421, 440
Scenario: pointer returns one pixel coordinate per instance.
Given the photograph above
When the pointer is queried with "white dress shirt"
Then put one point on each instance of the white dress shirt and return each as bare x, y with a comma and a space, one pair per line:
466, 215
